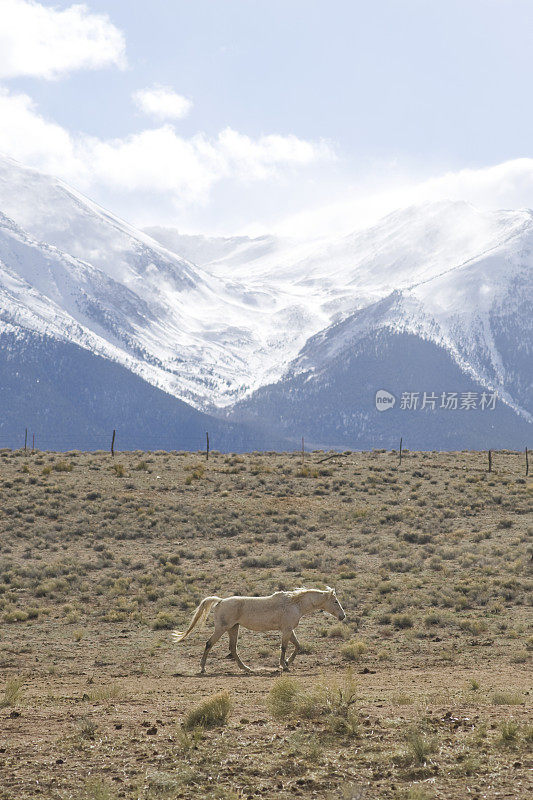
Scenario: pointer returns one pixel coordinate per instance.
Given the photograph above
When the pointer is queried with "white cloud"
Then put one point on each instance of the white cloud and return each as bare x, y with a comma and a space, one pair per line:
44, 42
260, 158
157, 161
29, 138
232, 182
162, 102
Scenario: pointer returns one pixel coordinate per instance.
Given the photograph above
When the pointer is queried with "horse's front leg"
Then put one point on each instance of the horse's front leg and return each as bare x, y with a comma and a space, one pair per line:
285, 639
297, 647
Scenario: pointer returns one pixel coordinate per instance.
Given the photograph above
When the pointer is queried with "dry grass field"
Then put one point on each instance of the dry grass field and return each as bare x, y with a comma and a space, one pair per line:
424, 692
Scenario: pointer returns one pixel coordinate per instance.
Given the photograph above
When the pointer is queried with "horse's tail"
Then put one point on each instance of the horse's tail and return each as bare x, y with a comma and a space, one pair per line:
199, 618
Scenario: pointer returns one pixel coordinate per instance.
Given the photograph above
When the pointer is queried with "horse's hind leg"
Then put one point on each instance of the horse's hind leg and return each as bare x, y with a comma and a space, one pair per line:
297, 647
208, 645
233, 634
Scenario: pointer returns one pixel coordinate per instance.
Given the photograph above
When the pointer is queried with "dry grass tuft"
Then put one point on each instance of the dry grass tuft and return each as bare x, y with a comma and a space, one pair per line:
419, 746
97, 789
507, 699
103, 694
12, 693
212, 713
352, 651
329, 704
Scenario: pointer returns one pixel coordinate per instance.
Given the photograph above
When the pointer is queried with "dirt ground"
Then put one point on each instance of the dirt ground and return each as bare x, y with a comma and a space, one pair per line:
423, 692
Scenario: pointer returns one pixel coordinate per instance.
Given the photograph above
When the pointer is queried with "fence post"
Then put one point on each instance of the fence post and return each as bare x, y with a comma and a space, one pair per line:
527, 464
490, 460
207, 446
25, 439
303, 451
113, 443
401, 441
33, 444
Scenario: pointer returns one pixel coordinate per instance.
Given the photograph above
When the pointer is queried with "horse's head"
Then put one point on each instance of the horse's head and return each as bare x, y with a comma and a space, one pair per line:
332, 605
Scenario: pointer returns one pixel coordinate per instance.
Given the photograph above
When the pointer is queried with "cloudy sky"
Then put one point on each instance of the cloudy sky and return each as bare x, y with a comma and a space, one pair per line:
293, 116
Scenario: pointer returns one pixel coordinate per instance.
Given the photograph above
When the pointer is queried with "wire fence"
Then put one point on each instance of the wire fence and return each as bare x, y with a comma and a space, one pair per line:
116, 441
32, 442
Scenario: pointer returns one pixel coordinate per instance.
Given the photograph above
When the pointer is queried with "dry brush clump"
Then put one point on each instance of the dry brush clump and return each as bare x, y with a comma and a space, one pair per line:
331, 705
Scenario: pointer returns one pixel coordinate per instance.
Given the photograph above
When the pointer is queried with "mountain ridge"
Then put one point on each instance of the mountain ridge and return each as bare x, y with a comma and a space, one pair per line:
263, 312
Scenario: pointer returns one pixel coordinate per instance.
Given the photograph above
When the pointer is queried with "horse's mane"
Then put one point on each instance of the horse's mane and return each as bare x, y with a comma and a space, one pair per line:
303, 590
298, 592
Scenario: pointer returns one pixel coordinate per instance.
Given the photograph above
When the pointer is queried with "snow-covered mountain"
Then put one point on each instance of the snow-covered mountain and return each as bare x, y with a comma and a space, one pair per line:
458, 322
290, 334
479, 311
198, 336
214, 250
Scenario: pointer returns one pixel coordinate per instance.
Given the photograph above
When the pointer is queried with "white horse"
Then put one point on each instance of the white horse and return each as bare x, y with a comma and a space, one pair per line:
280, 611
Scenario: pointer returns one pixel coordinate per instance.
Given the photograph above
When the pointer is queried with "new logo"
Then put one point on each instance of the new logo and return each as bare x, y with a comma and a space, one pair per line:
384, 400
